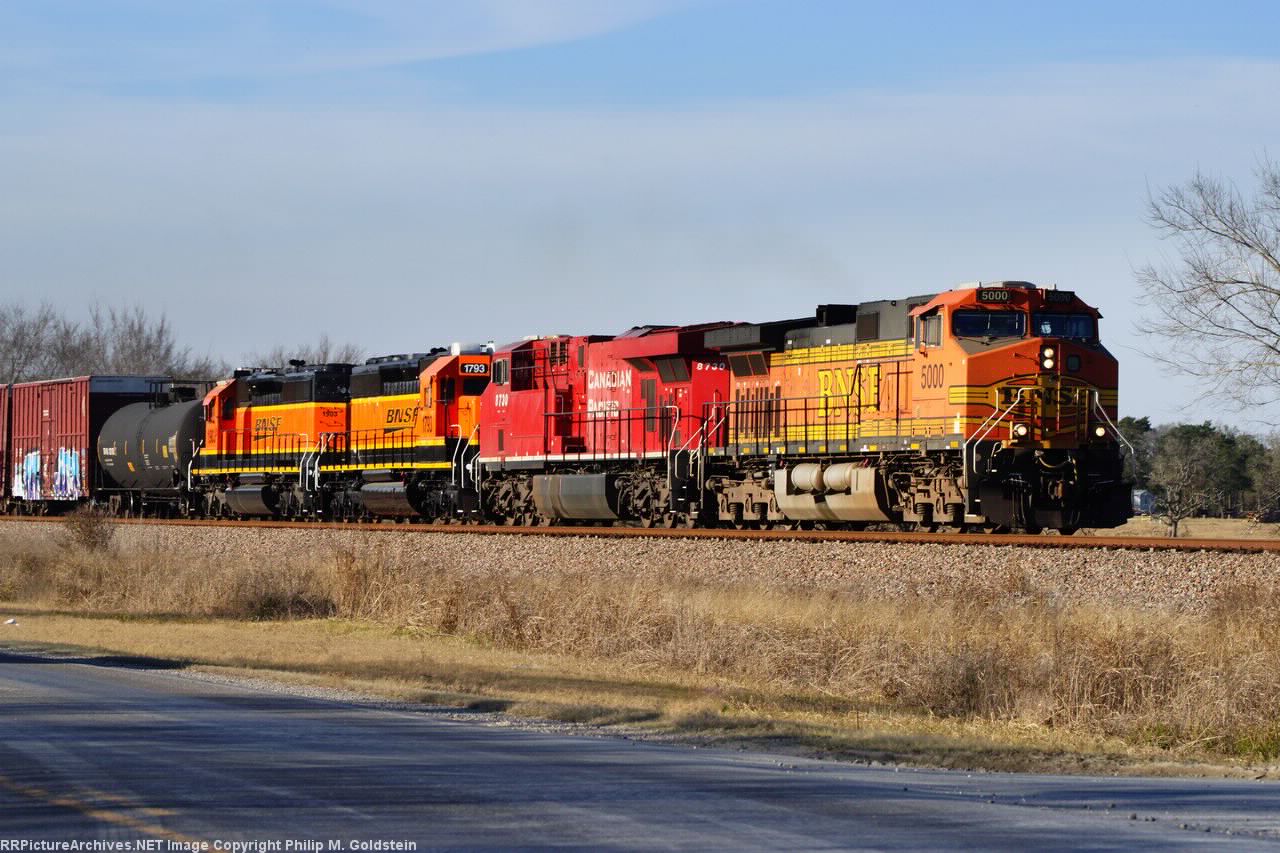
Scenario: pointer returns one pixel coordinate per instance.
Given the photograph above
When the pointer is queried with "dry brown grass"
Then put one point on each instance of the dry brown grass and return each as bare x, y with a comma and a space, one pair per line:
1197, 528
89, 528
1003, 659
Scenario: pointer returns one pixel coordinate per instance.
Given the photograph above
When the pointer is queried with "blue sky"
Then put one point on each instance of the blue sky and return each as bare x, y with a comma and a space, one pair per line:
400, 174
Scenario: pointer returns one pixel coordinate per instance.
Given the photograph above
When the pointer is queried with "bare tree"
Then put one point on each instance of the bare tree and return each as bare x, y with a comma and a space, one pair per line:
1182, 475
127, 341
24, 341
323, 351
43, 344
1216, 311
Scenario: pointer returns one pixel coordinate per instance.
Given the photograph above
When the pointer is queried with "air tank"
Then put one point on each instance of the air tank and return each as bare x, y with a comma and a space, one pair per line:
146, 447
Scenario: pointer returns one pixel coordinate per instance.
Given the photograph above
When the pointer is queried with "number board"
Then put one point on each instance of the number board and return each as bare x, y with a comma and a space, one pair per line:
475, 367
993, 294
1059, 295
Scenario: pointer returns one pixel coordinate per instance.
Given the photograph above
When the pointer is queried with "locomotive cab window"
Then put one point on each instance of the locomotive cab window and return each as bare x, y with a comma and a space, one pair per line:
473, 386
988, 324
522, 373
931, 330
1047, 325
500, 368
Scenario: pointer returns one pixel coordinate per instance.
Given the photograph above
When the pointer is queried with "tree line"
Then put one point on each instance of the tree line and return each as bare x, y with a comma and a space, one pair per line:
43, 342
1203, 469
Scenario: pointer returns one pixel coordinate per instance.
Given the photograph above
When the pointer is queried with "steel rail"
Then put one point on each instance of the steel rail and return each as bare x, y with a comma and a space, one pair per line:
1137, 543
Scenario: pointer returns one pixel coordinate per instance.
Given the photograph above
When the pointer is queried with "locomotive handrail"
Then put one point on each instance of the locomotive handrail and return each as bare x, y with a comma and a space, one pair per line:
321, 447
280, 446
305, 474
993, 420
675, 426
671, 442
775, 410
195, 452
453, 459
458, 472
702, 430
596, 421
400, 443
1097, 407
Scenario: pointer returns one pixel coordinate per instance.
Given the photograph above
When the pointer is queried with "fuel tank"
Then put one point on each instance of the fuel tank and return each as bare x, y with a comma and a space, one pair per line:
147, 447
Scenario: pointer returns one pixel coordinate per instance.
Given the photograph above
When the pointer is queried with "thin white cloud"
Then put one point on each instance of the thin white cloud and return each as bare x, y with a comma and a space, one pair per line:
152, 40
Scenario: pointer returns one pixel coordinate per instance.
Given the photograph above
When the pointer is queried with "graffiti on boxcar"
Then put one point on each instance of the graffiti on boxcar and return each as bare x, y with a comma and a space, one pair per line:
66, 479
26, 477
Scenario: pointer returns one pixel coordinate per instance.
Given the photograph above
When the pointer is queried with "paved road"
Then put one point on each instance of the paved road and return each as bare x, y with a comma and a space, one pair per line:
100, 750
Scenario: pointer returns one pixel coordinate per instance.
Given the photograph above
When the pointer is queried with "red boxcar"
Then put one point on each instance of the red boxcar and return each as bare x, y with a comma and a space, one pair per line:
55, 426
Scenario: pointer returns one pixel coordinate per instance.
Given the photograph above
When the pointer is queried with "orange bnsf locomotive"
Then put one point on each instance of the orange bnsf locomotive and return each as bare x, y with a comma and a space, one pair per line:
394, 437
985, 407
990, 407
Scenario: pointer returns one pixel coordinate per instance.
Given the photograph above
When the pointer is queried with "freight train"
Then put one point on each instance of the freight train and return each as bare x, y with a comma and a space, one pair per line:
987, 407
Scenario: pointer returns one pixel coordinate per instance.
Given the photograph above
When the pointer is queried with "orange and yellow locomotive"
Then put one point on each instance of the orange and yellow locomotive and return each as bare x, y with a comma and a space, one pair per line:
393, 437
989, 406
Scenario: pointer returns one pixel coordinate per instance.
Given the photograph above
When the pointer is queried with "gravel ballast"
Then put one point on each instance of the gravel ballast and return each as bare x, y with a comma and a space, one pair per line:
1167, 580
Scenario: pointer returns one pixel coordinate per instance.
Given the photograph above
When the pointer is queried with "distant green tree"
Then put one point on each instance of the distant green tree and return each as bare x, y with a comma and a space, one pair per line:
1141, 436
1264, 472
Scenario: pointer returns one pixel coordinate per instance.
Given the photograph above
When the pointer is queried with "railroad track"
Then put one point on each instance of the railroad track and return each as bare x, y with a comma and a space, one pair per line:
1005, 539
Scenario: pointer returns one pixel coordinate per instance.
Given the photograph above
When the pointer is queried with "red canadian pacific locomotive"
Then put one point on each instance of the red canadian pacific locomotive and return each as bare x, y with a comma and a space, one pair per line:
990, 406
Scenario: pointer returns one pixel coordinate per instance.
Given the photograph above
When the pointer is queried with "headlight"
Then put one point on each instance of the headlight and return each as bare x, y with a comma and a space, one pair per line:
1047, 352
1047, 363
1100, 431
1021, 430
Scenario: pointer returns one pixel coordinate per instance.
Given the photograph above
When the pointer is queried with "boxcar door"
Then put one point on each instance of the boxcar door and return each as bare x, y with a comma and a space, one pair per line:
48, 448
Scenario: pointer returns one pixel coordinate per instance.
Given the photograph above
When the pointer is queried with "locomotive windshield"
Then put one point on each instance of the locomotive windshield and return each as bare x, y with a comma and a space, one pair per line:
1064, 326
988, 324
